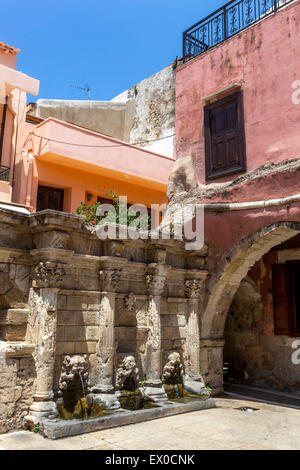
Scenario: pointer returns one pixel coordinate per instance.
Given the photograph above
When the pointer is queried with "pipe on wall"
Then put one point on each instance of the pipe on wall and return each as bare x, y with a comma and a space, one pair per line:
3, 129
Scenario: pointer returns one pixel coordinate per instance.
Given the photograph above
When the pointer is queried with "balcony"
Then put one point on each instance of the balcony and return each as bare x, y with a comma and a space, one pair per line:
4, 173
225, 23
68, 145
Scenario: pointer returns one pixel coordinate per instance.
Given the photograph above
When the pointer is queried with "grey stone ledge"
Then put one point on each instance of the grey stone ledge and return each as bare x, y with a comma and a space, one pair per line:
57, 429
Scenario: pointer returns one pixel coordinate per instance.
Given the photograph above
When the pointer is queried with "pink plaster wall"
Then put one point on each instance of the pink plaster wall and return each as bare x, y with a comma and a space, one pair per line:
227, 229
265, 60
113, 155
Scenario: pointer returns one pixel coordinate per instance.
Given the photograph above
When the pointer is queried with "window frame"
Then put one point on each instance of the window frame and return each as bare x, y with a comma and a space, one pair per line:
48, 189
241, 166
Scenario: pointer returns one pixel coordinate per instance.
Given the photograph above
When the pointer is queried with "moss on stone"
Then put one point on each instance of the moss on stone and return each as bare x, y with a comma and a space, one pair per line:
83, 410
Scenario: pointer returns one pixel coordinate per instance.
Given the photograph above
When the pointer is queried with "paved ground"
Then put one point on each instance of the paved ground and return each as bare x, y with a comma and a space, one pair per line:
262, 395
271, 427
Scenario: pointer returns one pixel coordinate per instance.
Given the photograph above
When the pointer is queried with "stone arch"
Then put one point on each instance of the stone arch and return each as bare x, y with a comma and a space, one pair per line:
233, 269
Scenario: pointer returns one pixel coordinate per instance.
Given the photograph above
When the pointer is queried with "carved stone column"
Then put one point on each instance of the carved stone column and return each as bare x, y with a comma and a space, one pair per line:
155, 280
193, 380
48, 277
104, 390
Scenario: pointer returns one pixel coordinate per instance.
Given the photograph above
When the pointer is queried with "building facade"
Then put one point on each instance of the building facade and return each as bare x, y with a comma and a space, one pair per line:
237, 151
13, 88
55, 164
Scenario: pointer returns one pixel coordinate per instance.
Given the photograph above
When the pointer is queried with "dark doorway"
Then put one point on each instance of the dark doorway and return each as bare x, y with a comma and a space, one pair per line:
50, 198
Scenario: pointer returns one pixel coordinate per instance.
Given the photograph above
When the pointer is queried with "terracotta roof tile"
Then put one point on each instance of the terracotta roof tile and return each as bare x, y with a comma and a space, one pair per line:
8, 49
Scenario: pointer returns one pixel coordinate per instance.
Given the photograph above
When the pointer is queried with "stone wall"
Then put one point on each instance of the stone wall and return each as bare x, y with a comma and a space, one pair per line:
100, 116
144, 113
71, 300
153, 115
71, 303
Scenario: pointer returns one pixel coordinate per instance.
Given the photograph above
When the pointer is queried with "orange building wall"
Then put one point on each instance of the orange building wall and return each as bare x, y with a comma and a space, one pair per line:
78, 183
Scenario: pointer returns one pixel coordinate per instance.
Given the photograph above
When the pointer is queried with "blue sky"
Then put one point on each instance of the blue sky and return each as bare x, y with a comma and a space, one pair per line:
111, 45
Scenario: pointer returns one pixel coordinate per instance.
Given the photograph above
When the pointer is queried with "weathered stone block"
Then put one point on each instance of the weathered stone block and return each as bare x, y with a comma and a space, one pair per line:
92, 333
69, 318
182, 308
94, 304
5, 283
60, 333
75, 333
181, 319
77, 302
62, 302
14, 317
13, 332
65, 348
90, 318
169, 320
8, 374
173, 333
7, 395
87, 347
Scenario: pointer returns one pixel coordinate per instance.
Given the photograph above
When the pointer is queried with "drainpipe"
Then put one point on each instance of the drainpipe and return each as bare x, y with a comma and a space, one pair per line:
3, 129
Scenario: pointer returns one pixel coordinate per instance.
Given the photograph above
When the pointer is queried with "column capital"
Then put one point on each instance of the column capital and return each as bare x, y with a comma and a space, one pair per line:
49, 274
193, 288
155, 279
110, 279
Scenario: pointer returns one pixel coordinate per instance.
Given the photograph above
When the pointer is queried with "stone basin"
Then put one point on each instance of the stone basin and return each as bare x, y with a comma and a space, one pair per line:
57, 429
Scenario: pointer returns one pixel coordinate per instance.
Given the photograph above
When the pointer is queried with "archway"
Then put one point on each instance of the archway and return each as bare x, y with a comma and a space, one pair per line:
223, 286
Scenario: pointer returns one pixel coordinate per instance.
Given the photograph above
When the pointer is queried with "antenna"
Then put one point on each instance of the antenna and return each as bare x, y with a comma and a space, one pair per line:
87, 89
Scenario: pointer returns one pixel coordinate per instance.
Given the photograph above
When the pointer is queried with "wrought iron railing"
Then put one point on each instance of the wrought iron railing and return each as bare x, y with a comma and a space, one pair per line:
4, 173
224, 23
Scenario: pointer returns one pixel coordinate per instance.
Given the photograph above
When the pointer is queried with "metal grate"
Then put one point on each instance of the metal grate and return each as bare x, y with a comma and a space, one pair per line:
224, 23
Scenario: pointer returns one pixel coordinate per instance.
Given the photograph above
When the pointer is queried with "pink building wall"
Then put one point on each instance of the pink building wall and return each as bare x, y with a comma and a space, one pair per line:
13, 88
95, 165
265, 61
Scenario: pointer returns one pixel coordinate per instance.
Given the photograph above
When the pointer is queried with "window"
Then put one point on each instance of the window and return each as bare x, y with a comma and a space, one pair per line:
103, 200
50, 198
286, 298
225, 152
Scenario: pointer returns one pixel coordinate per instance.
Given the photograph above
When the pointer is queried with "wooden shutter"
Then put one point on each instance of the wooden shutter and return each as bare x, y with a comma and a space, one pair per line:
217, 133
224, 137
50, 198
281, 299
294, 268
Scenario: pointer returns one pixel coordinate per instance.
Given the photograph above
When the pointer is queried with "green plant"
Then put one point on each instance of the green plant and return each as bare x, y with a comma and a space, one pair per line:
175, 64
143, 382
89, 212
36, 429
120, 214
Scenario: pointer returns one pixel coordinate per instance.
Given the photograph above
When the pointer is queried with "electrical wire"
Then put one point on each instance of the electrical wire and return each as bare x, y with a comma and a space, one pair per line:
101, 146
